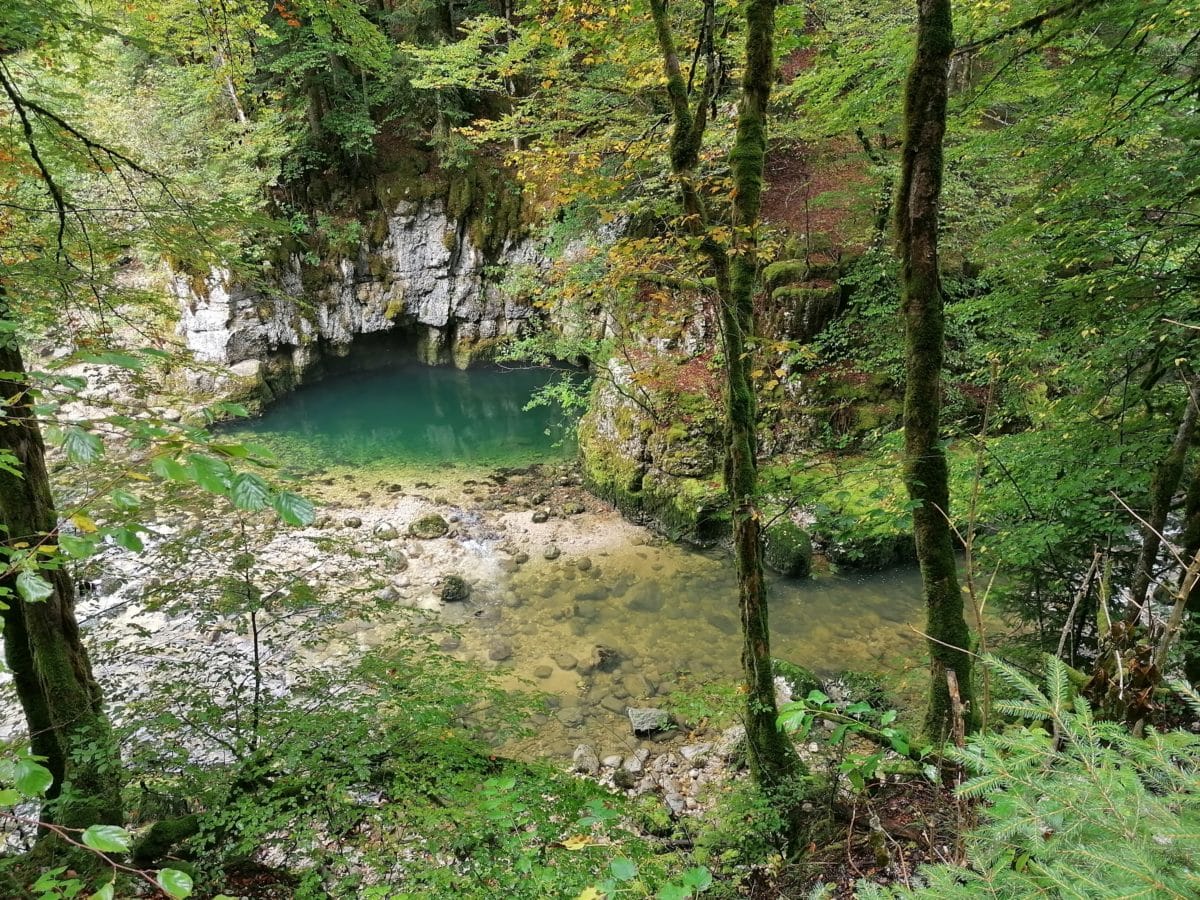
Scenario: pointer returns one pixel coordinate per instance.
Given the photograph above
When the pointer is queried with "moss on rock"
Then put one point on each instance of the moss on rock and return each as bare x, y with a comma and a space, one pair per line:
788, 549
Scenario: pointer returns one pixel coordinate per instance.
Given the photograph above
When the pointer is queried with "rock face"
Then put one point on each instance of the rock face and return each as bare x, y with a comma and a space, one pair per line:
424, 280
663, 474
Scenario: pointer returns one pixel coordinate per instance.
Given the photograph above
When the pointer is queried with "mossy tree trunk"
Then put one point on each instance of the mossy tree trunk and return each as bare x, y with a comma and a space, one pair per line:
925, 469
49, 665
1165, 482
773, 759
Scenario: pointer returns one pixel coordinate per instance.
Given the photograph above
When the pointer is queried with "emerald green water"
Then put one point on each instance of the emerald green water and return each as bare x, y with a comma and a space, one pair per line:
416, 416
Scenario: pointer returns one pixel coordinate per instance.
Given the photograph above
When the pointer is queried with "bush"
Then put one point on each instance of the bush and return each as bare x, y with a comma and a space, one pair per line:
1072, 806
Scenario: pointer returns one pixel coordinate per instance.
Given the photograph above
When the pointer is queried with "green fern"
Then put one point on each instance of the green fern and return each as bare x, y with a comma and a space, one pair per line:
1073, 807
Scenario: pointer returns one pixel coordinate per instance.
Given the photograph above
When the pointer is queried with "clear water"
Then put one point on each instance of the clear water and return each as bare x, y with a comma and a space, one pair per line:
415, 416
669, 613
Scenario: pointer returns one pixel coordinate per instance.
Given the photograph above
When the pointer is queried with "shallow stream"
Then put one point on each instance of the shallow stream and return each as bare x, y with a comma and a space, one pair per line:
548, 594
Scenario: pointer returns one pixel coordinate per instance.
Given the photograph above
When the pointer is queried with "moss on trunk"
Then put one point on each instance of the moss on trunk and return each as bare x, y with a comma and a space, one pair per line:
50, 666
925, 470
773, 760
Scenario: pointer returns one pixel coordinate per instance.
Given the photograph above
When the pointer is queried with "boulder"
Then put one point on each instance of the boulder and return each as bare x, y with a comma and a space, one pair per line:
788, 549
429, 527
584, 760
552, 552
455, 589
647, 720
386, 531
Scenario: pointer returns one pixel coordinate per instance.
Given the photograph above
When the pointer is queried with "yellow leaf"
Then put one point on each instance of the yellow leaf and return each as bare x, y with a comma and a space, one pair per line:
590, 893
577, 842
84, 523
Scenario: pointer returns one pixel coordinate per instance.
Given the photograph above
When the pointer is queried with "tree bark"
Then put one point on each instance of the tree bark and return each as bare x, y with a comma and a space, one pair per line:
925, 469
773, 759
50, 667
1167, 476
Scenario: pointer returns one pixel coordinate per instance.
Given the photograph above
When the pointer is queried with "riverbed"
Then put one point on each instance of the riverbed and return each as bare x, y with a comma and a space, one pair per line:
556, 576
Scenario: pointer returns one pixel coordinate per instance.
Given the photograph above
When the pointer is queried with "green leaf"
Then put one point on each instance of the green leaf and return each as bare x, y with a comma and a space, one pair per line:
698, 878
106, 838
888, 717
33, 587
177, 884
293, 509
123, 499
211, 474
32, 779
128, 538
121, 360
76, 547
623, 869
105, 893
672, 891
9, 797
168, 468
249, 492
81, 446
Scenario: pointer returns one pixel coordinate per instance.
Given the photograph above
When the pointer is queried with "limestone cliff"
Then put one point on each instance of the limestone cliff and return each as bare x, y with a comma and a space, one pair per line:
426, 284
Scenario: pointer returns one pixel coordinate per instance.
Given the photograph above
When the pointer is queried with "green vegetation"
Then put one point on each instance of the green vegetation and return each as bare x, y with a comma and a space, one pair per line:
225, 688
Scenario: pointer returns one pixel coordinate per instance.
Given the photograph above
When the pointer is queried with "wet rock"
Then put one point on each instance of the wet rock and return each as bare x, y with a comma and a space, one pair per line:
604, 659
591, 594
352, 522
646, 597
613, 704
455, 589
636, 686
571, 716
500, 651
386, 531
565, 661
647, 720
521, 558
788, 549
584, 760
552, 552
429, 527
539, 516
395, 488
583, 563
543, 671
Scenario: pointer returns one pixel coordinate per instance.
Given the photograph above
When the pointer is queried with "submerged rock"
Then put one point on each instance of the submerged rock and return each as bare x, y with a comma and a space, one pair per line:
429, 527
552, 552
455, 589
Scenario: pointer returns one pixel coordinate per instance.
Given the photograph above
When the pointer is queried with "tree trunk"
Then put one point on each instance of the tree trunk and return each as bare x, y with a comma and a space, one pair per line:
1190, 540
1167, 476
925, 470
773, 759
50, 667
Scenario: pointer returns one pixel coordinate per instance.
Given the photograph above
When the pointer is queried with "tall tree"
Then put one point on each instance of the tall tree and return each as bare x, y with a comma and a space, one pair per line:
925, 471
773, 759
42, 647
